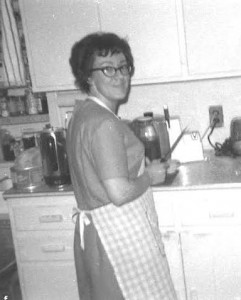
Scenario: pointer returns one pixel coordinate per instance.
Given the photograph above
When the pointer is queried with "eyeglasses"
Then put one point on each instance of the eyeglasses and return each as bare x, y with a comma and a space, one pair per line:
111, 71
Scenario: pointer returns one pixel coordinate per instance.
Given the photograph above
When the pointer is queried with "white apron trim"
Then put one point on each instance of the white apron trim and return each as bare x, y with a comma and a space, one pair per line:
83, 221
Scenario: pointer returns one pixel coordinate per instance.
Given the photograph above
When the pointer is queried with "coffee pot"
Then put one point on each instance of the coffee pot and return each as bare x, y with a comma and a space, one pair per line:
158, 143
54, 156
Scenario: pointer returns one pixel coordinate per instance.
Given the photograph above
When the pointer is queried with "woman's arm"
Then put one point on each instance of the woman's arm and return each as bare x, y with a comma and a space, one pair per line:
110, 159
122, 190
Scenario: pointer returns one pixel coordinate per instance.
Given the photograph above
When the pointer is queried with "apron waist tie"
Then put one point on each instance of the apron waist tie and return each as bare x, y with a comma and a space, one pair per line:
83, 221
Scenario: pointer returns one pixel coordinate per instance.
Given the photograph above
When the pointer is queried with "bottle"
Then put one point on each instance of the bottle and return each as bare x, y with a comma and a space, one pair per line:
42, 104
4, 107
12, 106
7, 146
146, 132
31, 103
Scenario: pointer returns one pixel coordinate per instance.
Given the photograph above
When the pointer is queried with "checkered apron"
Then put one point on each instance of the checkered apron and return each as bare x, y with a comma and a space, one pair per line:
133, 243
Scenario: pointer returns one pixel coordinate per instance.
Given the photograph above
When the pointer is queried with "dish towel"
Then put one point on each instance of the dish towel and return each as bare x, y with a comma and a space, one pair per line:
12, 56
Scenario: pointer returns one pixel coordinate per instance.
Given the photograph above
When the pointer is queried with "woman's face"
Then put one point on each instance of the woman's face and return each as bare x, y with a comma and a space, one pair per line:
113, 88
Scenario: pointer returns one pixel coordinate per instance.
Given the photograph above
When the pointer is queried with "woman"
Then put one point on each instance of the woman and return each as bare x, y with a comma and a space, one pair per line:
118, 248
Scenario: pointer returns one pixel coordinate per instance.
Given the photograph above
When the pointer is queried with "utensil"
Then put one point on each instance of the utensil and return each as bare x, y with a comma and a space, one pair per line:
166, 114
168, 155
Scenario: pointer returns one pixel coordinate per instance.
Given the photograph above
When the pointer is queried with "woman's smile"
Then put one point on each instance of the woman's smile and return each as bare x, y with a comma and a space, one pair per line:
106, 87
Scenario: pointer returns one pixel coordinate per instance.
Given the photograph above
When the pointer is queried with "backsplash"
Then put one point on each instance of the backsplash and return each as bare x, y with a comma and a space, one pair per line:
190, 100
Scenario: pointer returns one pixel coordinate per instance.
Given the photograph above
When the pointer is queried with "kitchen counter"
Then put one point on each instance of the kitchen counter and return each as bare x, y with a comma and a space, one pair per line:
212, 172
43, 232
40, 191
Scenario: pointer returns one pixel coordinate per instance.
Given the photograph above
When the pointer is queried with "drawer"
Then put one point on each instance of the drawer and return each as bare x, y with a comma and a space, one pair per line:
45, 246
210, 207
43, 217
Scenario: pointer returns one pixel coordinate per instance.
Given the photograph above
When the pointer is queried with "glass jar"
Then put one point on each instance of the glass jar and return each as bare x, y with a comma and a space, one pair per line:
29, 140
145, 130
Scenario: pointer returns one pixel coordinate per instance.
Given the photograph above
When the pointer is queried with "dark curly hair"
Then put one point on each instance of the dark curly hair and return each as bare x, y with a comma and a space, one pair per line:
84, 51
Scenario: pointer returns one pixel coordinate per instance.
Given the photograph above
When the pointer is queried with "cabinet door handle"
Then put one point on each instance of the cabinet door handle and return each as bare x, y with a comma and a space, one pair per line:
221, 215
53, 248
50, 218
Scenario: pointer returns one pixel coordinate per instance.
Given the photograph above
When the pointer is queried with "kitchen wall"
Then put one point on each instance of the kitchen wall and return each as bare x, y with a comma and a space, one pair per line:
190, 100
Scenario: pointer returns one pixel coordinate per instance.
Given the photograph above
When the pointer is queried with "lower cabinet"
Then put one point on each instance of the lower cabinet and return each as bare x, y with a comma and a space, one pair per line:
48, 280
201, 230
212, 264
172, 247
43, 234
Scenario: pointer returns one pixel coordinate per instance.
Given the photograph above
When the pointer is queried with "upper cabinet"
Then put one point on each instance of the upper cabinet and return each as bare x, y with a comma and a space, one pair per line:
172, 40
51, 28
152, 31
213, 37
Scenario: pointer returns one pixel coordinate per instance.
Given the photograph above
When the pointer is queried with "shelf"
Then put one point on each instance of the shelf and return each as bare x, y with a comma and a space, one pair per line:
24, 119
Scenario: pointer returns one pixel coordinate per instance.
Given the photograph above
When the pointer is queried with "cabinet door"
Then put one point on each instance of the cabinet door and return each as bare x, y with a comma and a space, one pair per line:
199, 265
172, 249
166, 219
213, 30
212, 264
53, 281
152, 30
51, 28
227, 257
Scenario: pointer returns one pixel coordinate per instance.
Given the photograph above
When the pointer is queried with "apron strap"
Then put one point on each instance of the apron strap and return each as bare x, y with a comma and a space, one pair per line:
83, 221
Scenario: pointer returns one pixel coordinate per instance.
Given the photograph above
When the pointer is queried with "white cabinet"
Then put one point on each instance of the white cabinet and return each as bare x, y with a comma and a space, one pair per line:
199, 268
206, 226
152, 30
51, 28
171, 40
201, 232
212, 264
209, 229
48, 281
166, 217
212, 32
43, 234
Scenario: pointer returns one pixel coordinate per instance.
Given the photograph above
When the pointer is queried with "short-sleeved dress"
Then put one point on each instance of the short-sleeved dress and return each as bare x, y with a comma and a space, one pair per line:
100, 146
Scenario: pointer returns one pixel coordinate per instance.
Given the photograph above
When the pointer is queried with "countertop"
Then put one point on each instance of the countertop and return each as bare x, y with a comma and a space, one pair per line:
212, 172
40, 191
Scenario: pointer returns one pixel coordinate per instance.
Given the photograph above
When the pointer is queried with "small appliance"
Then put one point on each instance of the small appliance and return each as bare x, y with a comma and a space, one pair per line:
235, 135
54, 156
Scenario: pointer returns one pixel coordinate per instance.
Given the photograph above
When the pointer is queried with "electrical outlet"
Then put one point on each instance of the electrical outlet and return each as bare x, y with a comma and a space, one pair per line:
216, 112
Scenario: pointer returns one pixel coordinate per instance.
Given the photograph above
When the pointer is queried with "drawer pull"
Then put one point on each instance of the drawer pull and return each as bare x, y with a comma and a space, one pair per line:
221, 215
51, 219
53, 248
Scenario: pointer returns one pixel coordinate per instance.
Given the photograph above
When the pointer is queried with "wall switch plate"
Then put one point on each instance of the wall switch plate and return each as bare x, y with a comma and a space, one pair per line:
216, 112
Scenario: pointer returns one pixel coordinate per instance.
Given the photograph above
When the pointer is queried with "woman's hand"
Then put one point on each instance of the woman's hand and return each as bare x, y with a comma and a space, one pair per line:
156, 171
